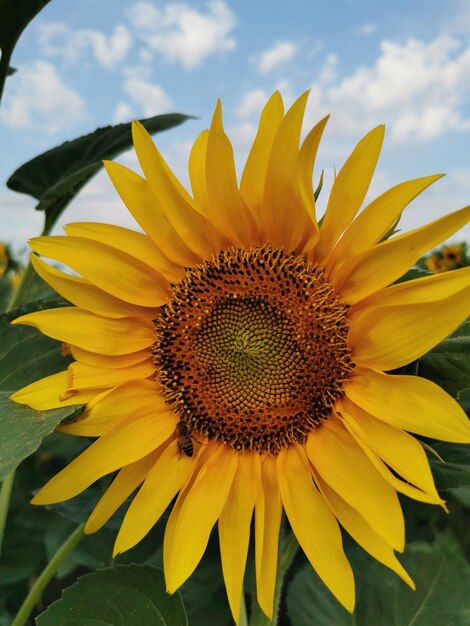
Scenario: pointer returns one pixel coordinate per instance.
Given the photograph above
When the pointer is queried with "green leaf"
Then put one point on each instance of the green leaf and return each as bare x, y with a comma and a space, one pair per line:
448, 363
127, 595
25, 356
11, 71
455, 471
439, 570
15, 16
57, 175
22, 430
414, 272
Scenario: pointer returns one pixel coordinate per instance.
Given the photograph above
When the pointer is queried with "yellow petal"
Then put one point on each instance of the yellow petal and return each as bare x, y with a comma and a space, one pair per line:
136, 244
110, 407
361, 532
417, 291
128, 479
314, 524
86, 296
349, 190
195, 513
114, 271
409, 402
268, 515
197, 173
83, 376
282, 217
163, 481
51, 392
400, 451
389, 337
106, 361
234, 526
380, 265
392, 479
344, 466
374, 222
138, 197
305, 165
227, 210
176, 203
91, 332
127, 442
254, 174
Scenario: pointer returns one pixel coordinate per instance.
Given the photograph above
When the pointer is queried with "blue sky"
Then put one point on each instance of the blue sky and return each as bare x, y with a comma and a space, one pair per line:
90, 63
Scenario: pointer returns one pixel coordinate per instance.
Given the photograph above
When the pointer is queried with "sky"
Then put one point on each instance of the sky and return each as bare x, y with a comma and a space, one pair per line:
87, 64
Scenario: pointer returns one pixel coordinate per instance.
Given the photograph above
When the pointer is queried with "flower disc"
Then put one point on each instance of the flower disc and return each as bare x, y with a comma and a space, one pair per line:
252, 348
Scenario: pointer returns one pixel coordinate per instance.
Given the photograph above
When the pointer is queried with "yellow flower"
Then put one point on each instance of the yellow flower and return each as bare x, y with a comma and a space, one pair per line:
234, 355
3, 259
447, 258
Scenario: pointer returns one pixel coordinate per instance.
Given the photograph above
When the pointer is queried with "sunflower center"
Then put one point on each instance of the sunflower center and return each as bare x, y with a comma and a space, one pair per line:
251, 349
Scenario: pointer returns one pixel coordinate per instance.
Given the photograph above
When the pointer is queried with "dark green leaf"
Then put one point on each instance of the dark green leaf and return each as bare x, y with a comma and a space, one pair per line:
127, 595
439, 570
57, 175
11, 71
448, 363
25, 356
15, 16
454, 472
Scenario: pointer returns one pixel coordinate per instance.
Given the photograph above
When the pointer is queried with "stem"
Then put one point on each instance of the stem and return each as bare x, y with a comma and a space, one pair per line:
49, 571
19, 294
5, 495
287, 551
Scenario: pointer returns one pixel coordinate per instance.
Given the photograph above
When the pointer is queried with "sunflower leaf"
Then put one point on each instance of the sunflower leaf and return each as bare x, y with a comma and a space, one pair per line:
439, 570
448, 363
25, 356
16, 15
127, 594
56, 176
454, 471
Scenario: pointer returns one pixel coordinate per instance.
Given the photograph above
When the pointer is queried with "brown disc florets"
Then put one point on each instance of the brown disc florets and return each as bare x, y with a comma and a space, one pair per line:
251, 349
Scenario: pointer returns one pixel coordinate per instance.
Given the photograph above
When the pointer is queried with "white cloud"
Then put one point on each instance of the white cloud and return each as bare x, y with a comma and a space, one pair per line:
367, 29
123, 113
252, 103
37, 98
328, 71
419, 88
58, 40
280, 53
149, 97
183, 34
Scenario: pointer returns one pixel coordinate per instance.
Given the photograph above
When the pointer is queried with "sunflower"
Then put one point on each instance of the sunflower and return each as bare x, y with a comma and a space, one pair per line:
233, 357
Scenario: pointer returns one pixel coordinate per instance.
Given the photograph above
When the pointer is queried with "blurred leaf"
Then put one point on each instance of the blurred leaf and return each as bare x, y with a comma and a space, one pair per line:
5, 292
57, 175
204, 593
25, 356
439, 570
414, 272
455, 471
130, 595
15, 16
11, 71
448, 363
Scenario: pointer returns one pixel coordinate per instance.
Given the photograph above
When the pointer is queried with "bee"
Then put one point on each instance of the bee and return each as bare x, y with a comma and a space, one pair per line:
184, 438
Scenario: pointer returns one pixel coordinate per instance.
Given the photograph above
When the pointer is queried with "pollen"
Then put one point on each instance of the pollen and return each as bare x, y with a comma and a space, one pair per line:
252, 348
